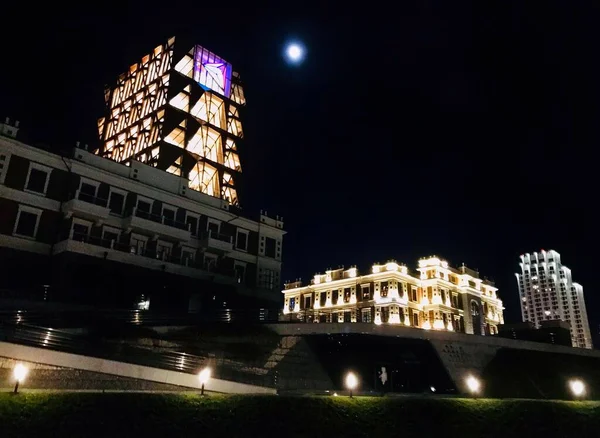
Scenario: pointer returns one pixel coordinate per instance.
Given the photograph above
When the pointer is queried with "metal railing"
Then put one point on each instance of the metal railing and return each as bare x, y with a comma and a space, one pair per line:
212, 354
164, 256
99, 241
210, 234
159, 219
91, 199
100, 317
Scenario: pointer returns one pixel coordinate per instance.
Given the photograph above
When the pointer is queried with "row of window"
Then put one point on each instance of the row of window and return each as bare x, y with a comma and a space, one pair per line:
37, 182
164, 250
366, 315
453, 279
365, 294
27, 221
27, 224
143, 208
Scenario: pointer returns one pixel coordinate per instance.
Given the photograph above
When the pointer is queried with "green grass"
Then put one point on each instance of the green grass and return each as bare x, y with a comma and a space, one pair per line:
130, 415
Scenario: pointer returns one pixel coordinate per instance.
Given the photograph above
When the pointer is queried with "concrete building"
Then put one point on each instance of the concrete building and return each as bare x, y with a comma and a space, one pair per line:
437, 297
152, 217
547, 292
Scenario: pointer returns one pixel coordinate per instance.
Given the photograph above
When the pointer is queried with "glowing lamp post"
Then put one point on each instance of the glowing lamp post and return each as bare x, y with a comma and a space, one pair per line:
204, 377
20, 372
351, 382
577, 387
473, 384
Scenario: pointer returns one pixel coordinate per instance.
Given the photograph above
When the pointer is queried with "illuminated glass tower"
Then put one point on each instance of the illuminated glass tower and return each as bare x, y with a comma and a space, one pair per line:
178, 109
547, 292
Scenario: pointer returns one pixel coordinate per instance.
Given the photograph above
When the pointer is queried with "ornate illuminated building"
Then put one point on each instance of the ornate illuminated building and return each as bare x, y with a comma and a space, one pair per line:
178, 109
437, 297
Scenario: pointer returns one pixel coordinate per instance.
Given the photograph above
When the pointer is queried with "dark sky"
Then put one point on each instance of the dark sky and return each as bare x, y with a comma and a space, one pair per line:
462, 129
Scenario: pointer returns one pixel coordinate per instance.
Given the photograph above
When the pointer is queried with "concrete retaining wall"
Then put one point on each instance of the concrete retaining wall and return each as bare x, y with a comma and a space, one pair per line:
78, 362
461, 354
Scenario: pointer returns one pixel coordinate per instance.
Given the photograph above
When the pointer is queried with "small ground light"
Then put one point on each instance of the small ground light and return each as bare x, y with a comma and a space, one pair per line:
204, 377
473, 384
432, 388
20, 372
351, 382
577, 387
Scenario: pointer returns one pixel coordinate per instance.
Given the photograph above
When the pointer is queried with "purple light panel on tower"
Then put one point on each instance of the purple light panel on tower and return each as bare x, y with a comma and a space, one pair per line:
211, 72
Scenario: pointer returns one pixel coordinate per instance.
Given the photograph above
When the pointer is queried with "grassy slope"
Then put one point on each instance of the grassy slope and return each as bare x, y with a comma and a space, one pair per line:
72, 414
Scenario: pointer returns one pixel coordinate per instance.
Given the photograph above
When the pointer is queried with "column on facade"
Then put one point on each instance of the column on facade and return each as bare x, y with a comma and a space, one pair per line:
394, 314
376, 291
393, 292
438, 322
377, 319
427, 320
405, 316
286, 306
297, 304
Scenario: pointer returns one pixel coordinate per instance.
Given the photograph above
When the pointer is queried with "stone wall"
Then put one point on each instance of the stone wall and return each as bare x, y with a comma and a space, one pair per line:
41, 376
122, 369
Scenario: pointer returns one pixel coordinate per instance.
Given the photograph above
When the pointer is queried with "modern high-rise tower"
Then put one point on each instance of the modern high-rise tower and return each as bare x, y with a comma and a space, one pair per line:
178, 109
547, 292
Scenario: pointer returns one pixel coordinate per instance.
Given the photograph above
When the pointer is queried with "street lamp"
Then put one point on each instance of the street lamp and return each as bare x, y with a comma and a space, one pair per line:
473, 384
204, 377
577, 387
351, 382
20, 372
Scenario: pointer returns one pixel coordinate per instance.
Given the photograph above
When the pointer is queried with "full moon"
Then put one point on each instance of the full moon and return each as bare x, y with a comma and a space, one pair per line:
294, 53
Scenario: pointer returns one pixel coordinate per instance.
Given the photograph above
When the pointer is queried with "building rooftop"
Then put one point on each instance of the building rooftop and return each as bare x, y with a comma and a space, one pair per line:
341, 273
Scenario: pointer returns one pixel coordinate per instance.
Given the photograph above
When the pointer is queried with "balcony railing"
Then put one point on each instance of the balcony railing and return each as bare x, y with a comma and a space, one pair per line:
98, 241
217, 243
156, 225
160, 219
222, 237
90, 199
86, 206
152, 254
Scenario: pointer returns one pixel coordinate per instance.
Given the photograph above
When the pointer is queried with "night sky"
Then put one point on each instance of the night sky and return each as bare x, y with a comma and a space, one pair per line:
465, 130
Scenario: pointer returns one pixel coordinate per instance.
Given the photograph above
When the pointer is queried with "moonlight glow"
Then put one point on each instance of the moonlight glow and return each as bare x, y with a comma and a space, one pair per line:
294, 53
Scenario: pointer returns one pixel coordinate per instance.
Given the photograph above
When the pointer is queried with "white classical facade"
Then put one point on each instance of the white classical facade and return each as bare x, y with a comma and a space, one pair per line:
437, 297
547, 292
